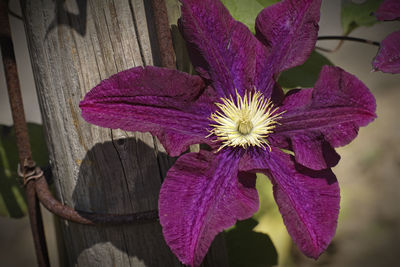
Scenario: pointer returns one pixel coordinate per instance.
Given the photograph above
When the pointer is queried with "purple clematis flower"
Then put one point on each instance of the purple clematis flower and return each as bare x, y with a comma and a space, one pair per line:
388, 57
237, 108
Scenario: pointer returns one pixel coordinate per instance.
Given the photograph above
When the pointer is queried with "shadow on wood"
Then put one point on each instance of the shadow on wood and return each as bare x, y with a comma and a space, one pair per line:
99, 188
75, 19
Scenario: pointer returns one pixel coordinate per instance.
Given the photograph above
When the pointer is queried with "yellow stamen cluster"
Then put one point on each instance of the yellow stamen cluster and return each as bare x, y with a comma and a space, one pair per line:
246, 122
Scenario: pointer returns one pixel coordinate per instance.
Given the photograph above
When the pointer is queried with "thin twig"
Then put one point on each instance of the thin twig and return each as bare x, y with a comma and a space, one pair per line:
348, 38
331, 50
163, 32
342, 39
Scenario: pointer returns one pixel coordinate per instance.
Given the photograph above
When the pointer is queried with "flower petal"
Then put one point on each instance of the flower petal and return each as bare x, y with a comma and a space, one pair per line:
388, 10
200, 197
289, 28
388, 57
223, 49
172, 105
316, 120
308, 200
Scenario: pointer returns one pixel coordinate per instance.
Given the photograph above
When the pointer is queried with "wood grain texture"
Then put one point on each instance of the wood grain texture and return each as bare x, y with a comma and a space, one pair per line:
74, 44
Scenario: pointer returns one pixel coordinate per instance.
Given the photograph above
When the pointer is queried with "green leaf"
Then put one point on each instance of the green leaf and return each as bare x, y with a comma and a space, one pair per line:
183, 62
266, 3
182, 57
12, 196
304, 75
355, 15
249, 248
247, 11
173, 10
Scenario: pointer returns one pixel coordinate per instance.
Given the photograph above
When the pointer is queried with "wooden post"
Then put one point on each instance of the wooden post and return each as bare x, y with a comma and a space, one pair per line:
74, 44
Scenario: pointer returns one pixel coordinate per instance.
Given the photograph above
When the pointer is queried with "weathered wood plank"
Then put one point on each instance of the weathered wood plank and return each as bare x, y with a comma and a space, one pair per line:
73, 46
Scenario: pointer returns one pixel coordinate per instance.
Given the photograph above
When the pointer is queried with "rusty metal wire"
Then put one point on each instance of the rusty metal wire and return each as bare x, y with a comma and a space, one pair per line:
35, 173
36, 187
29, 171
21, 132
36, 222
163, 31
88, 218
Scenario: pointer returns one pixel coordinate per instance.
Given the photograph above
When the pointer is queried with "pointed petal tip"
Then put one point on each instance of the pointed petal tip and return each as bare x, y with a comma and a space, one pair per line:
315, 256
316, 252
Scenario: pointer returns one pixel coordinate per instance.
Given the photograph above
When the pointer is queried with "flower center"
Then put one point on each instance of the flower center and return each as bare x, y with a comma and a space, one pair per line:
246, 122
245, 126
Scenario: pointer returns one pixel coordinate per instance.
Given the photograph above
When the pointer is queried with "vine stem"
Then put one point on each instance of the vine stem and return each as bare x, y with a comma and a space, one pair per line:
342, 39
